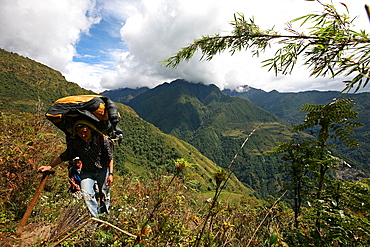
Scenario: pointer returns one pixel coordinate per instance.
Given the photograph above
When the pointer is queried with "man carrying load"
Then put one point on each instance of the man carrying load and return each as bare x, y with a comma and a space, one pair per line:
95, 152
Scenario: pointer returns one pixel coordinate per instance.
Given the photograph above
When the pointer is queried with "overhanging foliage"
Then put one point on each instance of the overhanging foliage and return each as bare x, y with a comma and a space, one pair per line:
330, 48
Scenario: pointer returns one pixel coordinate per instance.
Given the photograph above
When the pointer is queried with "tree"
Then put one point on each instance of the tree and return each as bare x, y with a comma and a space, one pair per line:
300, 157
313, 159
336, 121
330, 48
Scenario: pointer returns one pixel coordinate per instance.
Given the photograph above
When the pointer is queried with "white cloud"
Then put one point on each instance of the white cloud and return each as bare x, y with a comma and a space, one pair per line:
48, 31
44, 30
88, 76
158, 28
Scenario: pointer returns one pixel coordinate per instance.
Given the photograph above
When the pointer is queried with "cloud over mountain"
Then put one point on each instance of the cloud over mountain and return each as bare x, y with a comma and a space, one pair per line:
110, 44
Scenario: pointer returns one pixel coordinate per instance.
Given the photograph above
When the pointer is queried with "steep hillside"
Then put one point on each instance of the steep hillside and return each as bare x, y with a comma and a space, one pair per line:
217, 124
24, 82
287, 106
144, 151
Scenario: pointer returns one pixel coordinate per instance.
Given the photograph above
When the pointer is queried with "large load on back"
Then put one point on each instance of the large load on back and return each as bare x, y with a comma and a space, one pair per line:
98, 112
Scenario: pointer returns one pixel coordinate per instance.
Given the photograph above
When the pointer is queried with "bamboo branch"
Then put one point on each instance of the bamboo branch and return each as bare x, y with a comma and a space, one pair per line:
98, 220
73, 232
115, 227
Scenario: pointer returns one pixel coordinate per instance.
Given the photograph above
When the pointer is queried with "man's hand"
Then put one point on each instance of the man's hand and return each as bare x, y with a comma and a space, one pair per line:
44, 169
76, 187
55, 162
109, 180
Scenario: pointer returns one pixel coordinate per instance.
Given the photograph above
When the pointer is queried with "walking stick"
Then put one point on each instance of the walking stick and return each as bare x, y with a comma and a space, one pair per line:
32, 204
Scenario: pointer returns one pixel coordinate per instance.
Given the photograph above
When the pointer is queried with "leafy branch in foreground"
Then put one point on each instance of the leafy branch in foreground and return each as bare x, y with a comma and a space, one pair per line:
330, 48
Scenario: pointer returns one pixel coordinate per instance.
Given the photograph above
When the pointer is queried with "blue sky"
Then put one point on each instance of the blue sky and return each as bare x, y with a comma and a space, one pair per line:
93, 47
103, 44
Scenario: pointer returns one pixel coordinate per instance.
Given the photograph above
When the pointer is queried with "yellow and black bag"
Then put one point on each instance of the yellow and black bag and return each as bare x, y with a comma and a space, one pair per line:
99, 112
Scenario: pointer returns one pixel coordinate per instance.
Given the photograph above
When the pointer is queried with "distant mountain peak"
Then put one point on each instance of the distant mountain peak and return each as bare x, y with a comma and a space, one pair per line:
243, 89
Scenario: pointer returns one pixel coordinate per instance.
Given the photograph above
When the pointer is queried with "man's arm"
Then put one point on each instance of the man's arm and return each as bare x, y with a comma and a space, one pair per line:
110, 176
54, 163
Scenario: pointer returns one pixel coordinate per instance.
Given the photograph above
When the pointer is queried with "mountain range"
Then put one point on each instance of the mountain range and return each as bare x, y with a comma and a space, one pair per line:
216, 122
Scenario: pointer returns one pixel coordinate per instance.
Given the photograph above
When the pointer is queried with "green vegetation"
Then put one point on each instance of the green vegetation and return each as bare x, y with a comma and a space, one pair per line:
287, 106
25, 145
310, 164
26, 82
146, 156
159, 208
167, 194
124, 95
145, 150
145, 197
328, 218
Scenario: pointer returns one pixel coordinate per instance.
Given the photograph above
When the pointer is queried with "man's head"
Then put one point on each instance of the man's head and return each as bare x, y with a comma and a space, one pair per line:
84, 132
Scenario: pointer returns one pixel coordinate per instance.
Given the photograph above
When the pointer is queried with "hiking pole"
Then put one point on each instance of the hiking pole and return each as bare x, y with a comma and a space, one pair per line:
32, 204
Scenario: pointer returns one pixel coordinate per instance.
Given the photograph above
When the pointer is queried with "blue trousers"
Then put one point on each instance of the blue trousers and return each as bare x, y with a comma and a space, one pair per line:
96, 204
